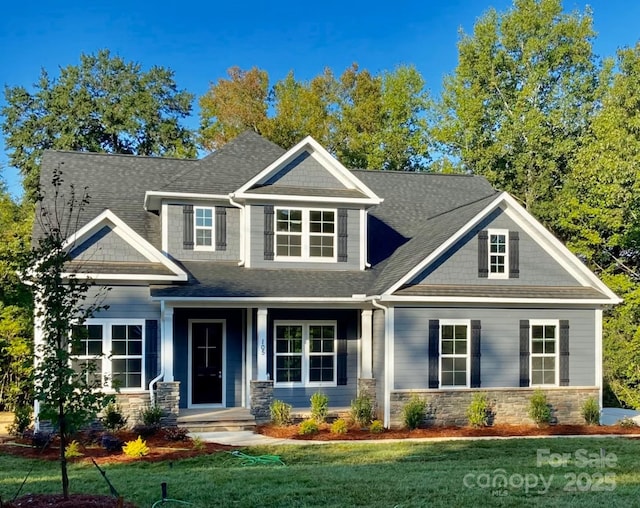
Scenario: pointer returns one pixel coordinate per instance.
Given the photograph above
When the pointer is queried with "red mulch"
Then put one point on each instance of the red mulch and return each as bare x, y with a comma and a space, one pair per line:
354, 434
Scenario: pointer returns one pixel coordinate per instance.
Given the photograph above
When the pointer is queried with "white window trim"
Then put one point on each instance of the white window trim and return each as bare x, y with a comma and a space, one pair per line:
306, 353
211, 247
107, 357
504, 232
454, 322
556, 355
306, 236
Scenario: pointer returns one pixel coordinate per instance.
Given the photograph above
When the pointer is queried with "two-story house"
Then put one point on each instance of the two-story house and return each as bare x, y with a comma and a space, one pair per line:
257, 273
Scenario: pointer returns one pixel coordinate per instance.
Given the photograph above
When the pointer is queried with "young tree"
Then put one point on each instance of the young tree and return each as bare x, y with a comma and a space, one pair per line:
67, 392
102, 105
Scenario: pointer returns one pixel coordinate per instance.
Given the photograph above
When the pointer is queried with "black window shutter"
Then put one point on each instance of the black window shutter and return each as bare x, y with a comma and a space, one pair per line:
524, 352
152, 349
187, 215
221, 228
483, 254
475, 353
342, 234
341, 362
268, 232
564, 353
514, 255
434, 353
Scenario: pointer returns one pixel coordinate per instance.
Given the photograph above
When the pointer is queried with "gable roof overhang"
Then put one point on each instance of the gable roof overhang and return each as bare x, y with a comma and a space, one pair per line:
153, 199
531, 226
159, 267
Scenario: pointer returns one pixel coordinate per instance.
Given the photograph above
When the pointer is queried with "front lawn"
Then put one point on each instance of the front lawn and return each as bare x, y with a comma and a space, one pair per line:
572, 472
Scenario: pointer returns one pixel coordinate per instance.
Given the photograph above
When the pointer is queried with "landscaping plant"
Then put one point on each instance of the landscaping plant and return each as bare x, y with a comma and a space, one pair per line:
479, 411
539, 410
308, 427
339, 426
362, 410
414, 412
280, 413
112, 417
591, 411
377, 427
319, 407
73, 450
137, 448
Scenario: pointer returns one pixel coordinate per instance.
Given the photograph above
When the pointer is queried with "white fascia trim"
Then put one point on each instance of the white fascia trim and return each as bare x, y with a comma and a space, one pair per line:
275, 299
153, 199
330, 163
128, 235
525, 220
164, 224
306, 199
598, 356
122, 276
484, 299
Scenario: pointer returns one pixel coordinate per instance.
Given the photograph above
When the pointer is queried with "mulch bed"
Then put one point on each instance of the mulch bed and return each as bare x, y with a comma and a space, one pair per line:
355, 434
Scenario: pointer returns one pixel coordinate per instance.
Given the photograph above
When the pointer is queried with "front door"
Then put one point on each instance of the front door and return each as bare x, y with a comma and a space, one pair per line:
207, 376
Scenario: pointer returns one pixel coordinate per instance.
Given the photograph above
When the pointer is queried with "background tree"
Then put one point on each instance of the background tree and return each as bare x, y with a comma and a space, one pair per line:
102, 105
520, 98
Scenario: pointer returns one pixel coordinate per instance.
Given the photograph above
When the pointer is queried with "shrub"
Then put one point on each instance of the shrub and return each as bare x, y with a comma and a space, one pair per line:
176, 433
414, 412
280, 413
591, 411
137, 448
627, 423
111, 443
198, 444
72, 450
539, 410
319, 407
40, 439
479, 411
339, 426
112, 417
377, 427
151, 415
21, 420
362, 410
308, 427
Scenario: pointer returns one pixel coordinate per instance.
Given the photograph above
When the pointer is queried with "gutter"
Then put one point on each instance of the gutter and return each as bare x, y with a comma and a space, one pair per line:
163, 359
388, 345
242, 235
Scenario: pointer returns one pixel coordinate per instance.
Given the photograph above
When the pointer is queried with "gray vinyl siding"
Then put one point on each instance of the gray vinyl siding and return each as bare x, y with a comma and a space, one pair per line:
499, 345
234, 319
176, 239
353, 242
347, 324
459, 265
105, 245
378, 358
125, 302
305, 171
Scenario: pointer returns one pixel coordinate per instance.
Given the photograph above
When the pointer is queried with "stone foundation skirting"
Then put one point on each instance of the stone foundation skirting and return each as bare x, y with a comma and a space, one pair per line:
261, 399
168, 398
131, 405
508, 405
367, 388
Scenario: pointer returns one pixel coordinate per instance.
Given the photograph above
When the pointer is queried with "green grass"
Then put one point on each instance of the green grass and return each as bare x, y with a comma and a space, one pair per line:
350, 474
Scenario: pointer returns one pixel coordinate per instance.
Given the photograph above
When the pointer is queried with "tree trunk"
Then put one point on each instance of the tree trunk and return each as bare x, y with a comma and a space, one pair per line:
63, 445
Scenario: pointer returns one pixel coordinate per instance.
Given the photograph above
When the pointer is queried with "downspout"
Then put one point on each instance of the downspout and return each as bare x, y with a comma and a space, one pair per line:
388, 372
152, 397
242, 235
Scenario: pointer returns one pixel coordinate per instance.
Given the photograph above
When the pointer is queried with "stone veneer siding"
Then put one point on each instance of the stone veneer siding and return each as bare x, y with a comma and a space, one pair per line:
367, 388
168, 398
131, 405
508, 405
261, 399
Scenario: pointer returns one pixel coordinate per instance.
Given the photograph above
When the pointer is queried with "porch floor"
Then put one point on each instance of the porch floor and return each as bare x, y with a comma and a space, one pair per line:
216, 419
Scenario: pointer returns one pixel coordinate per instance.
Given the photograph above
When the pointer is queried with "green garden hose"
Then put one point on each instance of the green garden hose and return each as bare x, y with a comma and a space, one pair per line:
251, 460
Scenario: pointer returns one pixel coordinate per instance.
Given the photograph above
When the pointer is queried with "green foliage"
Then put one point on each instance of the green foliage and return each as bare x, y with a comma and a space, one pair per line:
376, 427
72, 450
539, 410
151, 416
22, 418
137, 448
176, 433
591, 411
112, 418
414, 412
198, 444
362, 410
479, 410
319, 407
339, 426
280, 413
75, 111
627, 423
308, 427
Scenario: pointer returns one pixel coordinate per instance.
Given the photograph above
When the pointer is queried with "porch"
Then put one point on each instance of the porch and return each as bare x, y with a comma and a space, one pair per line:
216, 419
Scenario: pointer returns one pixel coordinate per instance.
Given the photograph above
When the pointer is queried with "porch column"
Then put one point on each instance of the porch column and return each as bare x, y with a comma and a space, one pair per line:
262, 344
366, 349
166, 333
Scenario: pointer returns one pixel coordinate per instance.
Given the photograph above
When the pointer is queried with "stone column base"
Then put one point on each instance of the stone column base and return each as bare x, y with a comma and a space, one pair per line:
367, 388
261, 399
168, 398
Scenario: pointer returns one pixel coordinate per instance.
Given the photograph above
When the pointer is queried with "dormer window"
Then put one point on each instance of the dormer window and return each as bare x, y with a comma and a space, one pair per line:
305, 234
203, 228
498, 254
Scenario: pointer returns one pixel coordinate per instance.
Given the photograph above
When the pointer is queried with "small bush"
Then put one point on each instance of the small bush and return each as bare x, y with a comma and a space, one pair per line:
40, 439
151, 416
339, 426
111, 443
479, 411
21, 420
72, 450
280, 413
176, 433
627, 423
319, 407
198, 444
539, 410
308, 427
413, 412
112, 417
377, 427
591, 411
362, 410
137, 448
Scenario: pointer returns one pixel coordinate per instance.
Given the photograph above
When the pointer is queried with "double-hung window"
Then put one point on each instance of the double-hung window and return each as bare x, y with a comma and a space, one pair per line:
498, 253
86, 351
305, 234
305, 353
454, 354
544, 348
203, 228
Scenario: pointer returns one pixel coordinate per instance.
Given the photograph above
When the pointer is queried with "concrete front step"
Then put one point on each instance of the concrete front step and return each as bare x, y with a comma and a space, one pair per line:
216, 420
221, 426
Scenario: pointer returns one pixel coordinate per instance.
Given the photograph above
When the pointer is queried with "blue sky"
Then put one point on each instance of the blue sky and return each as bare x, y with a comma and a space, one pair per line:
199, 41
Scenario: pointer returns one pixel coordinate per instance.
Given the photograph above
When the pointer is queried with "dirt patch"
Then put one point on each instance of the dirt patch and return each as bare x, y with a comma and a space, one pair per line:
354, 434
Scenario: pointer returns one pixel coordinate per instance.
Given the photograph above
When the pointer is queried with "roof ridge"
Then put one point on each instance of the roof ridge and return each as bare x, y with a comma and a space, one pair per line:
127, 155
421, 173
